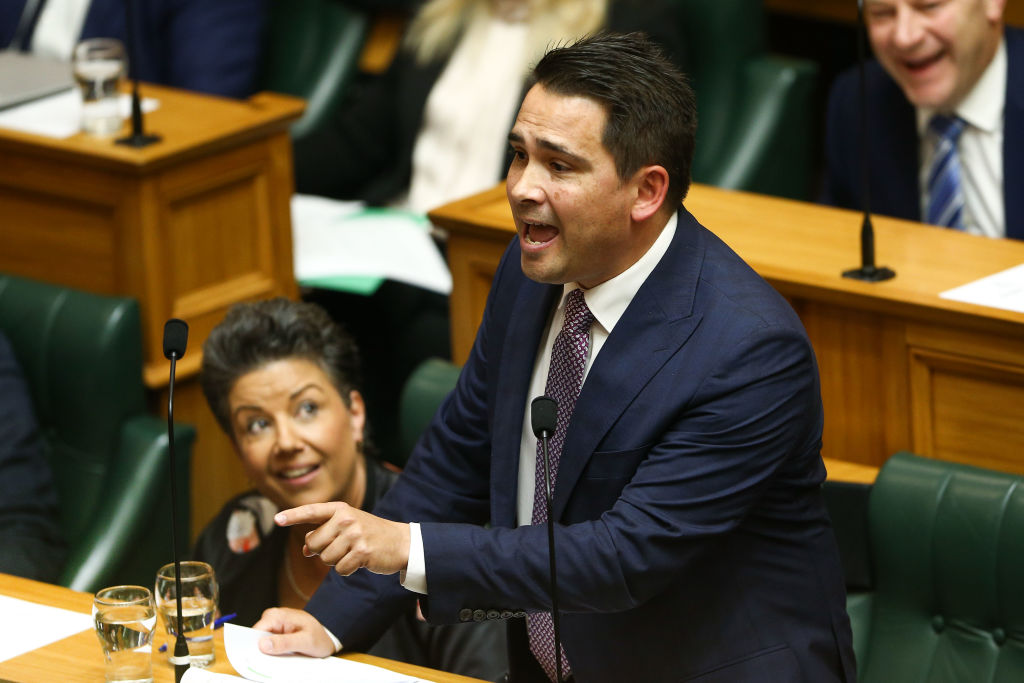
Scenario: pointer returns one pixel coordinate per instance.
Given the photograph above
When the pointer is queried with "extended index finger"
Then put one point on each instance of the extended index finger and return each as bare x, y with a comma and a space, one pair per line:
313, 513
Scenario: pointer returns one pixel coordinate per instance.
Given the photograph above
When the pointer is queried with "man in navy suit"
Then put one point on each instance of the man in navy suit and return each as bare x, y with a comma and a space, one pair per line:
952, 58
212, 46
692, 542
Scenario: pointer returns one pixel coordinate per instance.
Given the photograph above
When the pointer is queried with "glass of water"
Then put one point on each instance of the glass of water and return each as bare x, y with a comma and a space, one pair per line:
125, 617
199, 595
99, 65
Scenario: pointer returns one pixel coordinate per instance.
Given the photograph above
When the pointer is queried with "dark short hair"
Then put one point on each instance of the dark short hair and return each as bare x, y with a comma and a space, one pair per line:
254, 334
652, 112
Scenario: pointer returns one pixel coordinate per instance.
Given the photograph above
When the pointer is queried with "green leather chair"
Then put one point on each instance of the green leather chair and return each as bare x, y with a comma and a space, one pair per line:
312, 51
422, 393
755, 126
82, 359
947, 546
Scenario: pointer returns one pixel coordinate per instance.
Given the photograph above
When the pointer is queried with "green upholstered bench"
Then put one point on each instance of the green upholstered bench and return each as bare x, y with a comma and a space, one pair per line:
312, 51
81, 355
947, 549
755, 111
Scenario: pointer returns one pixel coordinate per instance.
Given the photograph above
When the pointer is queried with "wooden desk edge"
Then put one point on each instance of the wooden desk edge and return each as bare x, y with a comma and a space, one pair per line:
850, 472
279, 111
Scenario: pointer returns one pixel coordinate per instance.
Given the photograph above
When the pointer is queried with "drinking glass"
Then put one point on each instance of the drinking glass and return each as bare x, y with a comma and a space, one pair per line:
125, 618
199, 595
98, 65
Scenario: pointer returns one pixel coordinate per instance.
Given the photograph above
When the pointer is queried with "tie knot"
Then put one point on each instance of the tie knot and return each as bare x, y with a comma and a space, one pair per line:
947, 127
578, 317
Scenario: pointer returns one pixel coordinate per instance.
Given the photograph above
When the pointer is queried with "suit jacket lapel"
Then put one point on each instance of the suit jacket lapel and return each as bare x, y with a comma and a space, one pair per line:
656, 323
1013, 135
527, 320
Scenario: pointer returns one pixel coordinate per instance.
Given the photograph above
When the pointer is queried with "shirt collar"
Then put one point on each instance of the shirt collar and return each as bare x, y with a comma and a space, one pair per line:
609, 300
984, 104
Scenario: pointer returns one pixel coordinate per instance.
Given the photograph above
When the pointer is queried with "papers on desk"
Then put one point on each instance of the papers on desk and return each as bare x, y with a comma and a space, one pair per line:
344, 245
243, 651
60, 115
1002, 290
27, 626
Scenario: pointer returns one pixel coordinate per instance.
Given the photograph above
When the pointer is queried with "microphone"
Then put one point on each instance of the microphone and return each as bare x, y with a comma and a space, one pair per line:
543, 420
175, 340
868, 271
137, 138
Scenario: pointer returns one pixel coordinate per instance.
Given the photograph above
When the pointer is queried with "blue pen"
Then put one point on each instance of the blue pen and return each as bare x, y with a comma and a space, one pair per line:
220, 621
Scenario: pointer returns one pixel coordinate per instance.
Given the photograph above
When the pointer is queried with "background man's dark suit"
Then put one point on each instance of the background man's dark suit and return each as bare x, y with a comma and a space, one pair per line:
692, 542
212, 46
30, 541
893, 143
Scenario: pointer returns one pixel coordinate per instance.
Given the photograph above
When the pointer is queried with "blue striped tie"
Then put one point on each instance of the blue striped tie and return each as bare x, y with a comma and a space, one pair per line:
945, 186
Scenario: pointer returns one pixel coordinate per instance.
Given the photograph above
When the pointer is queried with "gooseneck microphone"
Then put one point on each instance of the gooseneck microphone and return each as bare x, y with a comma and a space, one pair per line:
544, 419
175, 340
868, 271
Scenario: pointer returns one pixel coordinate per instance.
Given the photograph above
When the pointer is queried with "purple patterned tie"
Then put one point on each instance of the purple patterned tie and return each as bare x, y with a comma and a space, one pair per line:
565, 378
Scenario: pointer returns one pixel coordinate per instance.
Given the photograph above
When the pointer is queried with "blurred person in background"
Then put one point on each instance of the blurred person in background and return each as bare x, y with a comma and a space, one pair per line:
283, 382
433, 128
945, 131
211, 46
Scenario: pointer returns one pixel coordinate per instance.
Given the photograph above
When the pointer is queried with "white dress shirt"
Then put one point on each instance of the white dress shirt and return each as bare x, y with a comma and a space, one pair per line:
980, 150
58, 28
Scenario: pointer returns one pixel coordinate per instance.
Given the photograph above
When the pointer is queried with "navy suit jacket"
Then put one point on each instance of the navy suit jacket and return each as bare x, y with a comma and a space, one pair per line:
692, 539
30, 539
893, 143
212, 46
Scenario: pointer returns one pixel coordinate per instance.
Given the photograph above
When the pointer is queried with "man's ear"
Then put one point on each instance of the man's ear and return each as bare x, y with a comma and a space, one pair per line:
651, 188
994, 10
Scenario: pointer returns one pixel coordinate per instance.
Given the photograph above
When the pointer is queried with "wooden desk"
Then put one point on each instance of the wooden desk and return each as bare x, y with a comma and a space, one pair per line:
79, 658
187, 226
900, 367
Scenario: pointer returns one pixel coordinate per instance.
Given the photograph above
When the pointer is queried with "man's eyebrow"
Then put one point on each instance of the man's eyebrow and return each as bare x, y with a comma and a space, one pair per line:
516, 138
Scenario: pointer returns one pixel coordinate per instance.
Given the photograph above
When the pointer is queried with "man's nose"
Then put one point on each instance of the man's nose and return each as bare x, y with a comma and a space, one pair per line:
524, 184
909, 27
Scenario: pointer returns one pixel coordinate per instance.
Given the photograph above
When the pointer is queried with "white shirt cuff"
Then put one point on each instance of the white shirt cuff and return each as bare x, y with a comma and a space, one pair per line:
334, 639
414, 577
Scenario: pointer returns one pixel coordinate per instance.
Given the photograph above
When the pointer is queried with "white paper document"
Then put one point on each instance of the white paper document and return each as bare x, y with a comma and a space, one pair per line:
27, 626
333, 238
242, 646
60, 115
1002, 290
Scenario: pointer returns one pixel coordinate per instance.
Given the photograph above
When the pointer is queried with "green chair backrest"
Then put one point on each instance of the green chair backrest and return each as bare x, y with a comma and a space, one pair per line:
312, 51
422, 394
721, 37
82, 358
948, 552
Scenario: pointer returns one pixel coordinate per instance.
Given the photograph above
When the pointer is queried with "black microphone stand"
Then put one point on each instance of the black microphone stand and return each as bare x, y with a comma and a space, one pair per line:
175, 331
544, 435
868, 271
137, 138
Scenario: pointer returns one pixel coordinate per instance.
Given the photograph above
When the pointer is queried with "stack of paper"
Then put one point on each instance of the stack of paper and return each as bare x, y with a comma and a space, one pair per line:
242, 646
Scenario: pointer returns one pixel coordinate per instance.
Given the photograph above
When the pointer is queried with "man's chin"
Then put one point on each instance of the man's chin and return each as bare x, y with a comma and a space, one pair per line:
534, 268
